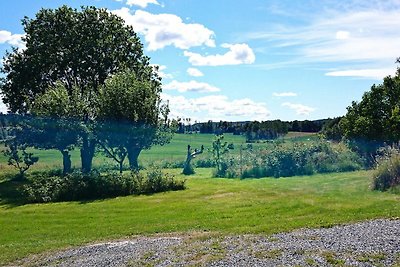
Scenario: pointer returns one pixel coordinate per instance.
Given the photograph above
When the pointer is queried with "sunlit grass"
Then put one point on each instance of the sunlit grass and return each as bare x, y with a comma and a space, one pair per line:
225, 206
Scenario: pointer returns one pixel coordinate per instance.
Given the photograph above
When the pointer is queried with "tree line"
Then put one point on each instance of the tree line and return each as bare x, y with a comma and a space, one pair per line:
253, 130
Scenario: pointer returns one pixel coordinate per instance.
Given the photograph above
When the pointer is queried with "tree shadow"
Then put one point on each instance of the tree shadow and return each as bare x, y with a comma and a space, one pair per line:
10, 194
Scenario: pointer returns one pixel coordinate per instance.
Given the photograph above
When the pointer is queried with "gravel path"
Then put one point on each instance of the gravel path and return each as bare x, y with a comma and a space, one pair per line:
371, 243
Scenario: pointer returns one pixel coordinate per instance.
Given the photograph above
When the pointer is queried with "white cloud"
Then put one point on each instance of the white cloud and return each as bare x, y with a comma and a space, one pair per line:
342, 35
284, 94
194, 72
376, 74
367, 38
141, 3
299, 108
161, 30
237, 54
12, 39
192, 86
216, 107
161, 72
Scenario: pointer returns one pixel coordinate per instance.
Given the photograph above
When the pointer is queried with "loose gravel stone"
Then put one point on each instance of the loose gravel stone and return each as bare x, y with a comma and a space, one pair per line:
371, 243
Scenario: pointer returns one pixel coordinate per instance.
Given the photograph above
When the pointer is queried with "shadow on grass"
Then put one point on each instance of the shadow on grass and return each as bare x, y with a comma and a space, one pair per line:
10, 193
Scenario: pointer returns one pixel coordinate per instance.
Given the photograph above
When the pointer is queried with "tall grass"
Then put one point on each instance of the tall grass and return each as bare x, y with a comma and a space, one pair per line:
387, 171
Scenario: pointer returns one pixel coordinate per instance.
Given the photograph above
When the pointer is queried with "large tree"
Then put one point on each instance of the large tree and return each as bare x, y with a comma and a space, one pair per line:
375, 120
79, 48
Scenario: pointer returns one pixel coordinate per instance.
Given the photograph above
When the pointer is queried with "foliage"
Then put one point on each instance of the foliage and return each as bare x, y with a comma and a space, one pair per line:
265, 130
21, 162
286, 160
57, 122
72, 53
332, 130
375, 120
306, 126
219, 148
61, 45
131, 117
254, 130
77, 186
387, 170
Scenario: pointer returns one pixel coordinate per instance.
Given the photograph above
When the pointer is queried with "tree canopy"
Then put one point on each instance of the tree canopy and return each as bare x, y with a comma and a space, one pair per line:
60, 77
377, 116
78, 48
131, 117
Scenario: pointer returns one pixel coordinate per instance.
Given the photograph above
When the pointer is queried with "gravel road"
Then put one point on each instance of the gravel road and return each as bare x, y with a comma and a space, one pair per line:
371, 243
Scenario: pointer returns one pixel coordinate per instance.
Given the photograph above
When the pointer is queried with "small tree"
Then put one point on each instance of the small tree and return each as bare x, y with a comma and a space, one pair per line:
57, 123
21, 162
131, 117
219, 148
188, 168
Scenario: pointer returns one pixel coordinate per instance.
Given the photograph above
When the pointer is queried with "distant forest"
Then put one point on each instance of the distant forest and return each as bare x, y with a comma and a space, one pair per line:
253, 130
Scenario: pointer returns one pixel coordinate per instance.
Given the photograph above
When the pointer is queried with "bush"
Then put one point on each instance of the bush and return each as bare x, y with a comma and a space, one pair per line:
387, 171
286, 160
157, 181
78, 186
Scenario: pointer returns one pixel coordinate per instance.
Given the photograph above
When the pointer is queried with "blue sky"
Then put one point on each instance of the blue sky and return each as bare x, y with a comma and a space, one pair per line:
251, 60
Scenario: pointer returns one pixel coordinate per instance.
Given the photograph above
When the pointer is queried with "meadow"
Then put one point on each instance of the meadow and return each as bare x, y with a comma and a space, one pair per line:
215, 206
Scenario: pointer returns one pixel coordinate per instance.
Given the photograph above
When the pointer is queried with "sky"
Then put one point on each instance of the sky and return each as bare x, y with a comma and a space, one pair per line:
251, 60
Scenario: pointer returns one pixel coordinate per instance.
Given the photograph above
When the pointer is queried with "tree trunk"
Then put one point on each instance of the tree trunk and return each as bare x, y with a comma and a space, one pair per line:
133, 154
121, 166
66, 161
87, 154
187, 168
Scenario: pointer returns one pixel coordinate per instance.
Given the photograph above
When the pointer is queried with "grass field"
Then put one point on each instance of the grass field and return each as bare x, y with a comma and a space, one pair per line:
217, 206
222, 206
174, 151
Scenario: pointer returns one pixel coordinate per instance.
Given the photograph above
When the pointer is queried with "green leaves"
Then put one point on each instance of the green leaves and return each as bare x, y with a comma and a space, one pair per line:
77, 48
376, 116
21, 161
219, 148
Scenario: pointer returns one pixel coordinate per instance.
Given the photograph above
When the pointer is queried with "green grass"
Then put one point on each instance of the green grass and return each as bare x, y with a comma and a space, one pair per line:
172, 152
224, 206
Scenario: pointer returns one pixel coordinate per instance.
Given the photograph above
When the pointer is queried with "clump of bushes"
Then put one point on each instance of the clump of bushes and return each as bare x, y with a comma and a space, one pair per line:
387, 170
294, 159
78, 186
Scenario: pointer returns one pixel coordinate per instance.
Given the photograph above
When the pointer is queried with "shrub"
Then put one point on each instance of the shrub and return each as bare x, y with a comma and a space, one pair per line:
157, 181
387, 171
286, 160
205, 163
78, 186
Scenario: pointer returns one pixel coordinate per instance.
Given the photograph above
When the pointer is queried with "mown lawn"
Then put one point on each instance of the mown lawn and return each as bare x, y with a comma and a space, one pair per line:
224, 206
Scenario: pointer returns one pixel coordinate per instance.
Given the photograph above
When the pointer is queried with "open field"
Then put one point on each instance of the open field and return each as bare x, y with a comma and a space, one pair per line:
174, 151
221, 206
